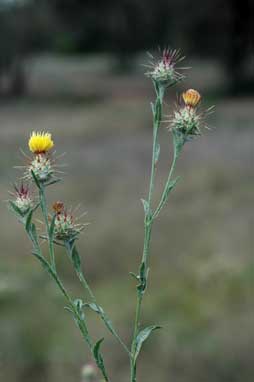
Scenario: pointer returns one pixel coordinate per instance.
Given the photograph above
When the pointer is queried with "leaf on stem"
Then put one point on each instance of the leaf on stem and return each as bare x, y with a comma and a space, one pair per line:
36, 180
141, 337
76, 259
73, 254
157, 113
143, 272
49, 269
146, 206
51, 228
134, 276
45, 264
29, 221
168, 188
33, 235
152, 107
157, 152
96, 308
52, 181
99, 359
69, 309
99, 310
79, 305
17, 211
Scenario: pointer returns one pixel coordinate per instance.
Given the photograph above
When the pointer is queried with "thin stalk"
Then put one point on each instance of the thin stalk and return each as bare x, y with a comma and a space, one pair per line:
80, 321
51, 269
148, 221
55, 277
156, 124
163, 196
44, 210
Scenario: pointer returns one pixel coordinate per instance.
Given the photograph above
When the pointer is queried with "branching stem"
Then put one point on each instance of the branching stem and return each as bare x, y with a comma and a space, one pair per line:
150, 215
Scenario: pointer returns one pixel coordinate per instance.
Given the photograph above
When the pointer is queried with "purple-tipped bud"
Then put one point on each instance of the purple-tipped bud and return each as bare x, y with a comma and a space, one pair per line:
164, 71
23, 198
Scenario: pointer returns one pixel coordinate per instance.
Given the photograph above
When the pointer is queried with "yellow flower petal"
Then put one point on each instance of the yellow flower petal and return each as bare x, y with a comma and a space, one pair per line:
40, 142
191, 97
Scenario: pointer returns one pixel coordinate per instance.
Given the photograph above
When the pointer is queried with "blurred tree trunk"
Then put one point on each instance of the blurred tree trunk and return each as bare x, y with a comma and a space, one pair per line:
241, 43
18, 79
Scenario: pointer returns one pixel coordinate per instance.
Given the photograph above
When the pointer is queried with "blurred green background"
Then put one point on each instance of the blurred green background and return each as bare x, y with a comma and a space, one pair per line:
74, 68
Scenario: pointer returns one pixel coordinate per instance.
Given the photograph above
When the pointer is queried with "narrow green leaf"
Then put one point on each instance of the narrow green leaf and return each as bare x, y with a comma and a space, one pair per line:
33, 234
76, 259
15, 209
96, 308
141, 337
36, 181
47, 267
79, 305
157, 114
134, 276
52, 228
169, 188
166, 193
29, 221
142, 278
157, 152
146, 206
99, 310
45, 264
51, 182
36, 206
73, 254
152, 107
69, 309
99, 359
172, 184
96, 349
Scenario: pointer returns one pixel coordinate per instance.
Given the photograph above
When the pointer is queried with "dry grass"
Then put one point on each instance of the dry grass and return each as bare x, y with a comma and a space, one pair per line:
202, 246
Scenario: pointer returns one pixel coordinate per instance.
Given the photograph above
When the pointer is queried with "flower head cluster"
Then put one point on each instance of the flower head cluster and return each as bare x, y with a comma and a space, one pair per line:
66, 227
41, 167
23, 199
186, 120
164, 71
40, 164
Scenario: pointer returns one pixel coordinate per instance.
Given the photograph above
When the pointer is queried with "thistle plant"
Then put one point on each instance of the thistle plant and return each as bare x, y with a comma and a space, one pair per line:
62, 228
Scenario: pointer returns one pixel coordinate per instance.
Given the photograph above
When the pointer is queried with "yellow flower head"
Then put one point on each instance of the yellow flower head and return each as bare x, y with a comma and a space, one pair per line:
191, 97
40, 142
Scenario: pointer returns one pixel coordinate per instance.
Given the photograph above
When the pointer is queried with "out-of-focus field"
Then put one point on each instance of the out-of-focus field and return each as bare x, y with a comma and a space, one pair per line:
202, 274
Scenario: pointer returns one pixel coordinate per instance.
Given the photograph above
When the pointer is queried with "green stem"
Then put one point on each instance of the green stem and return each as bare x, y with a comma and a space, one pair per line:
81, 323
148, 221
157, 111
51, 268
178, 142
103, 315
163, 199
45, 215
85, 284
